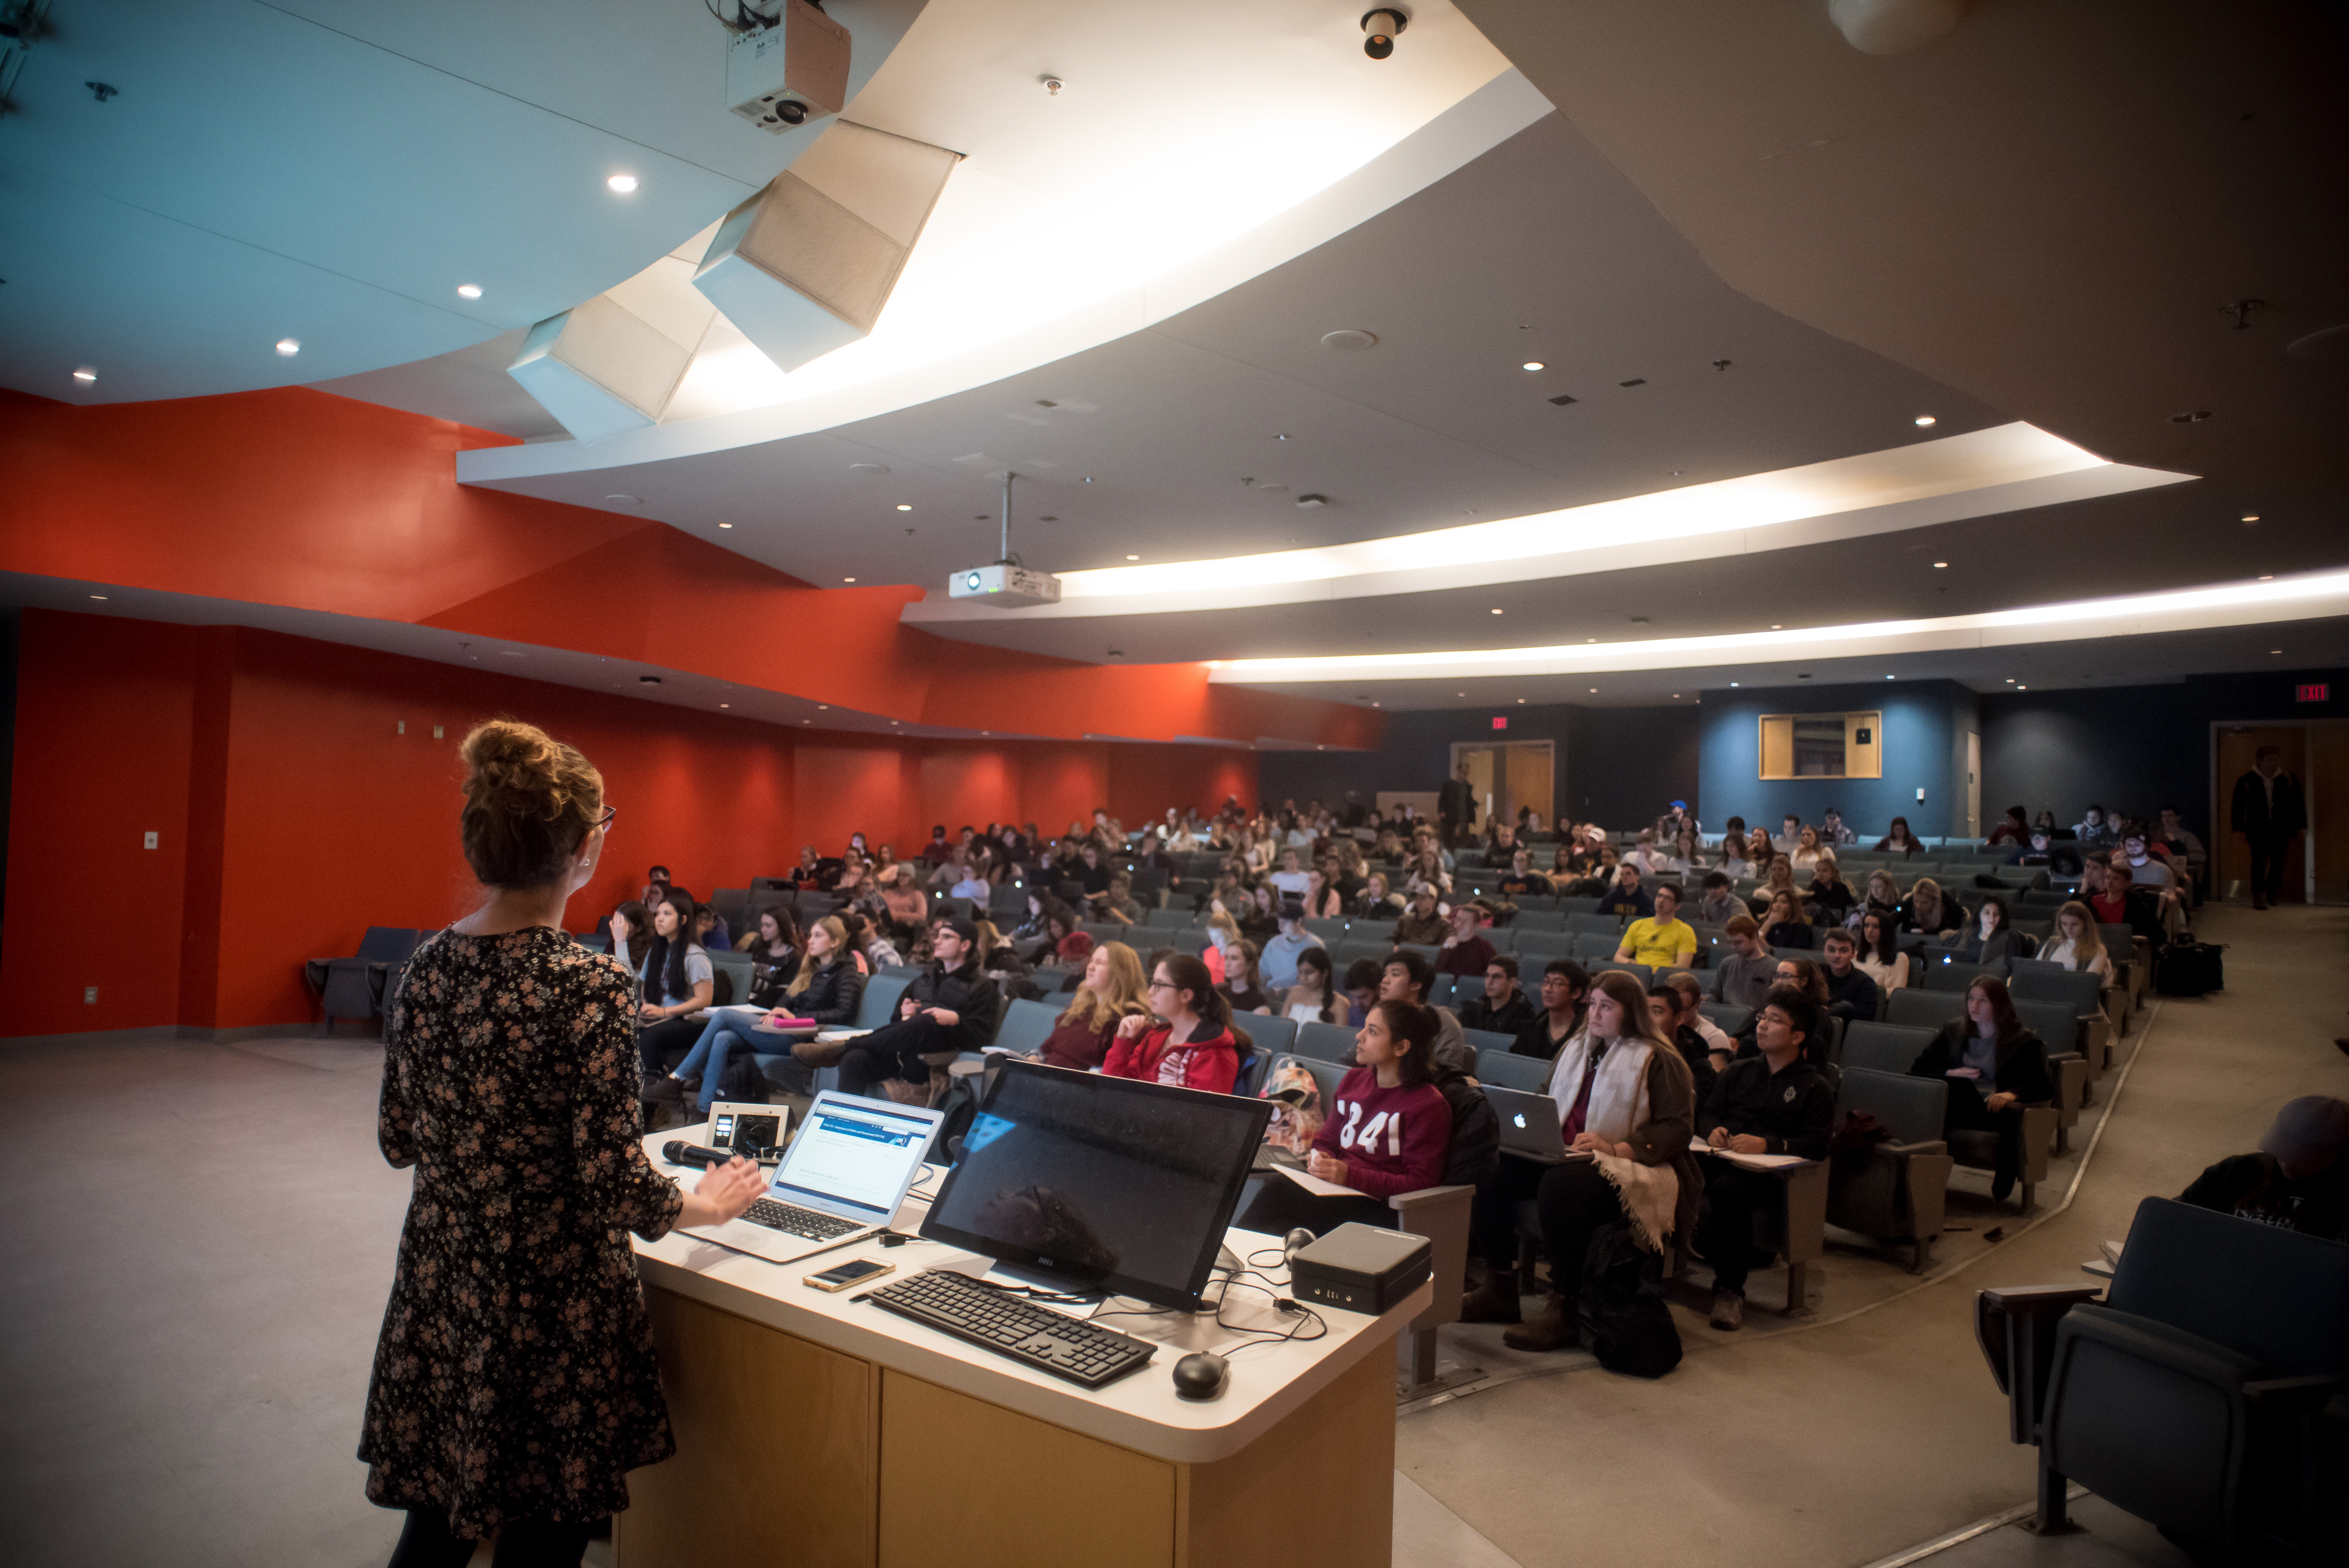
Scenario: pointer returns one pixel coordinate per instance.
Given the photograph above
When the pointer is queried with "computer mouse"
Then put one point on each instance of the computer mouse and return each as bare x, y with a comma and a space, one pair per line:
1200, 1374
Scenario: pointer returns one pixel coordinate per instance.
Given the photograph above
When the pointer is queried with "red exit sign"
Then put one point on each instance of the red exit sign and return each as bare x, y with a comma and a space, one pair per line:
1502, 721
2318, 692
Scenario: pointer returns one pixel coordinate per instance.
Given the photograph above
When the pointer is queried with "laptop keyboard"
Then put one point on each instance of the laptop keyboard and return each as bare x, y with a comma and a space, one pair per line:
1015, 1328
793, 1220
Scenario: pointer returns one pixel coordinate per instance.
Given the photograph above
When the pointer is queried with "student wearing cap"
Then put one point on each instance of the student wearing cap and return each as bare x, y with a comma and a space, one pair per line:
1465, 951
2298, 1180
952, 1006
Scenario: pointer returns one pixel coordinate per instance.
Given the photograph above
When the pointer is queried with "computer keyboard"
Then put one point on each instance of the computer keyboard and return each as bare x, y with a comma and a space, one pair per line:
1013, 1327
793, 1220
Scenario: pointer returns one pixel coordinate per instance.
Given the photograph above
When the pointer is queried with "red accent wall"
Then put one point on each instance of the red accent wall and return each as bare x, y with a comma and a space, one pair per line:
294, 814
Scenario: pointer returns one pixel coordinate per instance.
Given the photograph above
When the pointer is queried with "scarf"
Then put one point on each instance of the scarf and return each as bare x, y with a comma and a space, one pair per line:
1618, 1106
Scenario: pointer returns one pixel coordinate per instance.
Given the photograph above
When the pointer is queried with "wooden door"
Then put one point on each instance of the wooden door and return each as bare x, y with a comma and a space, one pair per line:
1483, 783
2327, 783
1530, 769
1973, 785
2237, 749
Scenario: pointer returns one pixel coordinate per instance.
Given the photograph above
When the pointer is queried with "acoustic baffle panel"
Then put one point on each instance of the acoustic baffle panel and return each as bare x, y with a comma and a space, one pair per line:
804, 266
612, 363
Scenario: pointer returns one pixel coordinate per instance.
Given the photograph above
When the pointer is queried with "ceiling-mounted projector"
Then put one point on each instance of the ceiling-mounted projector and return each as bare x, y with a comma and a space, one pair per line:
1004, 584
790, 71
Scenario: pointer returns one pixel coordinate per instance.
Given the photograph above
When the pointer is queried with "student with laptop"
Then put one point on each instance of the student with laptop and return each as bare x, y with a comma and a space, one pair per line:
472, 1389
1773, 1103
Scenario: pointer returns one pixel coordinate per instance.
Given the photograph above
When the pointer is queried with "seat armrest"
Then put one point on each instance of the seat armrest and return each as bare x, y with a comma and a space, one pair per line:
2296, 1395
1441, 1214
2016, 1326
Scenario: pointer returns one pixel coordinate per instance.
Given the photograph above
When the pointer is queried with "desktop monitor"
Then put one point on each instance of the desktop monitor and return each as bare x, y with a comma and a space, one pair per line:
1103, 1184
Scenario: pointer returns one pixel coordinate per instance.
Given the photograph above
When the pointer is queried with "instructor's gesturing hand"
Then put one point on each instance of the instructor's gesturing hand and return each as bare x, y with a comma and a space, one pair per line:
724, 1193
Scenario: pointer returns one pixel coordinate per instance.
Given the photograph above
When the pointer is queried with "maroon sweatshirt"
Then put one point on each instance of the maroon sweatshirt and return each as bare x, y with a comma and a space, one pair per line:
1392, 1140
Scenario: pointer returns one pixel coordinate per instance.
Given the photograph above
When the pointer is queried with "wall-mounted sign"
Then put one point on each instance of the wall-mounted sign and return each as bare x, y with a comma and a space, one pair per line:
2317, 692
1500, 721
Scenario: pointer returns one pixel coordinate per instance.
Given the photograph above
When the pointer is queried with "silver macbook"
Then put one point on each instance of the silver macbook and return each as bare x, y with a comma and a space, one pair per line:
840, 1181
1530, 1129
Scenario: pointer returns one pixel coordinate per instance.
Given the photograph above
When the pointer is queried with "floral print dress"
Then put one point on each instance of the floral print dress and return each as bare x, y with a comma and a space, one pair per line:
515, 1377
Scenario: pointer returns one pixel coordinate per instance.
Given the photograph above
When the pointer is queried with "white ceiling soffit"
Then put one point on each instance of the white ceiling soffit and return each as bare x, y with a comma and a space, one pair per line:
1021, 265
331, 170
2007, 468
2312, 597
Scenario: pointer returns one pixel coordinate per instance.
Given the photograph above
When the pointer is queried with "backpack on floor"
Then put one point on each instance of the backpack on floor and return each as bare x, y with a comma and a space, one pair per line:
2191, 969
743, 1082
1625, 1322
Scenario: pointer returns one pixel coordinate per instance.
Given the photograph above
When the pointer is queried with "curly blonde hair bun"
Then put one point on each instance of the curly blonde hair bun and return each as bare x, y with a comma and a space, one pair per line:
529, 801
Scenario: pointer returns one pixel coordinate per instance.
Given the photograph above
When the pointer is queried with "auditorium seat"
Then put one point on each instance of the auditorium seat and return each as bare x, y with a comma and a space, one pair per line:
1025, 1026
355, 987
1949, 975
1885, 1048
735, 970
1901, 1192
1325, 1043
1484, 1040
1501, 1066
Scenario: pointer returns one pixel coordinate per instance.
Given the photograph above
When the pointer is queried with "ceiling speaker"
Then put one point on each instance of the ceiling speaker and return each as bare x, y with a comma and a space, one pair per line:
804, 266
612, 363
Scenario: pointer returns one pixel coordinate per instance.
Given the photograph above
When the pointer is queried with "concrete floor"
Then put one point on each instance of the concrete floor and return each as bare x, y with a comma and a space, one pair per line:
188, 1330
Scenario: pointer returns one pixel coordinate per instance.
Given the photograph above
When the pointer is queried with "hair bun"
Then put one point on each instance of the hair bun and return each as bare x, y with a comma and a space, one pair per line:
529, 800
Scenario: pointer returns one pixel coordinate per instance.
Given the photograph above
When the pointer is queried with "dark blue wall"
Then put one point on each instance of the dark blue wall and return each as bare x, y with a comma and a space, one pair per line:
1925, 727
1617, 766
2131, 749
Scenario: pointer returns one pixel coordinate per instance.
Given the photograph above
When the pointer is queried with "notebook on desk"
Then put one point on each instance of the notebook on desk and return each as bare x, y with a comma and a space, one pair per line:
840, 1181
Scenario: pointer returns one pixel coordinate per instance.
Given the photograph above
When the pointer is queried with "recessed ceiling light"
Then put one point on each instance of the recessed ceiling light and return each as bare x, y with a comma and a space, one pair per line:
84, 377
725, 525
1134, 558
1676, 696
621, 184
848, 580
1594, 691
903, 506
1496, 612
1521, 702
1733, 683
625, 499
726, 704
1280, 438
2275, 650
287, 347
1535, 365
2023, 688
98, 596
2250, 516
1590, 639
1776, 627
2268, 579
2010, 680
823, 707
1923, 421
1941, 566
1892, 678
469, 291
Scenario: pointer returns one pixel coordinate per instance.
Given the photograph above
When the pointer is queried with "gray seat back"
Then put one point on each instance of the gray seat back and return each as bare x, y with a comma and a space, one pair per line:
1924, 1009
2274, 1295
1485, 1040
1913, 1107
2036, 982
1728, 1018
735, 969
1325, 1043
1885, 1048
1504, 1068
1943, 973
879, 1005
1026, 1025
1272, 1036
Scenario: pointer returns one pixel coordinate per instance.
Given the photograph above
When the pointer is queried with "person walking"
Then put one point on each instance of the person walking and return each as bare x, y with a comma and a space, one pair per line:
514, 1384
2269, 812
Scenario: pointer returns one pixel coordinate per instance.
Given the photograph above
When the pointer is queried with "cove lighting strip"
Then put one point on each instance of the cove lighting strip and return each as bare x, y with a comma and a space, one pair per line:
2185, 610
2005, 467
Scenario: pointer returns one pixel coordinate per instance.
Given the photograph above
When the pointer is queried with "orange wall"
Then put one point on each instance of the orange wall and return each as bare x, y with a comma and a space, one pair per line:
294, 814
297, 498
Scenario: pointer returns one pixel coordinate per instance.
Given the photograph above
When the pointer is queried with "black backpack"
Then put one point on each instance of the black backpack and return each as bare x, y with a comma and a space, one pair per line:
1625, 1322
1475, 1149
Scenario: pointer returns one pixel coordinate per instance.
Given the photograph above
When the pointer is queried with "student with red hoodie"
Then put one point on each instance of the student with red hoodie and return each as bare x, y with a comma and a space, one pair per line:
1389, 1131
1189, 1042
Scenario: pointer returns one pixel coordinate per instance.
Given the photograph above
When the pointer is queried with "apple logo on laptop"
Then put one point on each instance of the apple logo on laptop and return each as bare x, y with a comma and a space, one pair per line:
1520, 1119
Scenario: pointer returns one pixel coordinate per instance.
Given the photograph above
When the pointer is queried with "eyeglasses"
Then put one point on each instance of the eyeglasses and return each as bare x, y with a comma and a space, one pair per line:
605, 821
1161, 986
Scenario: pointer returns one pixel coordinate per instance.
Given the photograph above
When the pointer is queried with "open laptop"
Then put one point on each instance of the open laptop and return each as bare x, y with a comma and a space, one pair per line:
1529, 1125
840, 1181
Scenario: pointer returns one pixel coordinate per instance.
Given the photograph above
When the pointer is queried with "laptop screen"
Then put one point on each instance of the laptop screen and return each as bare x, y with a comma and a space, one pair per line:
855, 1154
1105, 1183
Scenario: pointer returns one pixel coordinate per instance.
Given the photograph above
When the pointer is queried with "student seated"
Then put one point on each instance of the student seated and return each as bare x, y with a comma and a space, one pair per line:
1774, 1103
1720, 904
2014, 829
2297, 1182
1851, 993
1405, 978
1388, 1129
951, 1007
1994, 1066
1363, 978
1660, 941
1675, 1017
1466, 949
1242, 988
774, 952
1423, 926
1829, 900
1625, 1097
1120, 905
1880, 958
1987, 939
631, 927
1565, 996
1786, 926
1188, 1043
1718, 1046
1313, 996
1521, 879
1503, 1009
825, 987
676, 982
709, 932
1899, 839
1282, 949
1928, 912
1626, 898
1112, 992
1743, 977
2077, 944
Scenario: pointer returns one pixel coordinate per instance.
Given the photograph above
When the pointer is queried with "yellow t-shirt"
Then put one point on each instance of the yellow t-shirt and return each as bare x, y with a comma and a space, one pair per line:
1658, 944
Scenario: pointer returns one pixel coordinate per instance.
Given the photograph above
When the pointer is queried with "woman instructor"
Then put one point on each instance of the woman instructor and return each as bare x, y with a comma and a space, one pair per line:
514, 1384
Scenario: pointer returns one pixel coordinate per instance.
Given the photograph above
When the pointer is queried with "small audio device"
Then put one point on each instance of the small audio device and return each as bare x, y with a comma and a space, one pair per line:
757, 1130
1362, 1268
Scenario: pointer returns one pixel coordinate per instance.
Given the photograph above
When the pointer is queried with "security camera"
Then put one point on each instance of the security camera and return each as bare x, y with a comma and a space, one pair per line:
1383, 24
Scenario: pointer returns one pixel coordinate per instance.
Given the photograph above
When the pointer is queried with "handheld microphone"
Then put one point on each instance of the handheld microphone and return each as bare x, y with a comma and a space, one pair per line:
678, 1151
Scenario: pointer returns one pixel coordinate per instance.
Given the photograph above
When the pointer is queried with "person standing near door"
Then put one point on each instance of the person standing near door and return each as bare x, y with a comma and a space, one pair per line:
1455, 806
2269, 812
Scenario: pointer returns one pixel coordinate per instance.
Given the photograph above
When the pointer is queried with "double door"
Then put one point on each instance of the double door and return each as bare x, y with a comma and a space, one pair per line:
2316, 863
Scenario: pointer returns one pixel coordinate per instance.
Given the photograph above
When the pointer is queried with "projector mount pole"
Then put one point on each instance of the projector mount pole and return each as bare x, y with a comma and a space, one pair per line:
1006, 559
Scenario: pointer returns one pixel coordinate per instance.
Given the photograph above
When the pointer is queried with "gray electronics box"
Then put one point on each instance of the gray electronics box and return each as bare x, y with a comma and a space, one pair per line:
1362, 1268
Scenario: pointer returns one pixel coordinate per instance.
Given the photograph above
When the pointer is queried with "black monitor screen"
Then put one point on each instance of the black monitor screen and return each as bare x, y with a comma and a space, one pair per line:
1108, 1183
